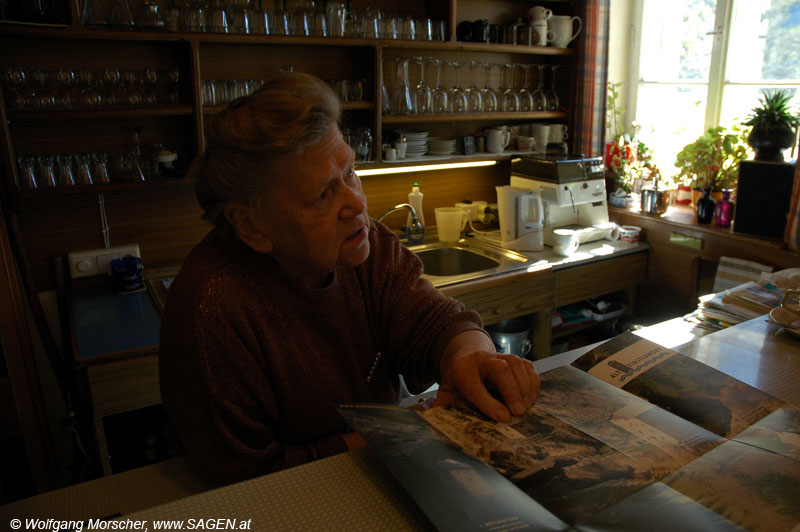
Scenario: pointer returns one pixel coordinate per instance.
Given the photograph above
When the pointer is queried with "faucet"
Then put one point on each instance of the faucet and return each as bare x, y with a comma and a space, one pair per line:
416, 233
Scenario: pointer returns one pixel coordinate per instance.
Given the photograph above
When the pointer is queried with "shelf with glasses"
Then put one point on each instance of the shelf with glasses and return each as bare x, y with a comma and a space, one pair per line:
346, 106
469, 117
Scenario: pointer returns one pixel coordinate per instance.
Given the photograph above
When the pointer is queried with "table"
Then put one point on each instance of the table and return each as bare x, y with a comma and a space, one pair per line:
353, 491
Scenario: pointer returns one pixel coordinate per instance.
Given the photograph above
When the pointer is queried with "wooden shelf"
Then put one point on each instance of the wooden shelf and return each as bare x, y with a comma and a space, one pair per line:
468, 117
82, 114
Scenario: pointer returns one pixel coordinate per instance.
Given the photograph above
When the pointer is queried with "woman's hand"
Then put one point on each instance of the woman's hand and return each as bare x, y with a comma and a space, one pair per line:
466, 374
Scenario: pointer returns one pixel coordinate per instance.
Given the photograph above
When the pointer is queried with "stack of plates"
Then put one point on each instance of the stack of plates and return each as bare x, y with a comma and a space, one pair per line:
417, 143
441, 146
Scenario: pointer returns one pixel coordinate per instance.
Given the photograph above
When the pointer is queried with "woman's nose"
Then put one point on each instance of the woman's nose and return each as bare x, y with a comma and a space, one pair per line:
354, 203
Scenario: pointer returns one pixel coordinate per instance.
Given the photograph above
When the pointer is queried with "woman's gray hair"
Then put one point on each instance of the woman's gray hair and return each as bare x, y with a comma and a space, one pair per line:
288, 114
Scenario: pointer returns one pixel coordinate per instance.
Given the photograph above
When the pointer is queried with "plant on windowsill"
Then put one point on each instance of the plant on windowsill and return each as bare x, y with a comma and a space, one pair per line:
774, 126
627, 158
712, 161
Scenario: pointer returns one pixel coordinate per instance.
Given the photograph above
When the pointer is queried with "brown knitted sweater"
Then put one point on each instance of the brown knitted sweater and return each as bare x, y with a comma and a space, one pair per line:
252, 363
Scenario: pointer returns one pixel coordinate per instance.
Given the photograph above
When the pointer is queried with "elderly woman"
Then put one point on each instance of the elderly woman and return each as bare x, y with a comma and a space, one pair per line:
298, 300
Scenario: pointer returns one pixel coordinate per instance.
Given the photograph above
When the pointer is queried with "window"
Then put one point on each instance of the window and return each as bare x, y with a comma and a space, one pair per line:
703, 63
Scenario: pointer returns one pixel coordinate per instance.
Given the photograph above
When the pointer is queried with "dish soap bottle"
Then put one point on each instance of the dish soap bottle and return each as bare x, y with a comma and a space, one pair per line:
416, 235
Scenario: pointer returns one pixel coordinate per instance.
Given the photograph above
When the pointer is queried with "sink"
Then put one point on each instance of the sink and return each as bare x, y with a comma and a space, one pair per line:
454, 261
445, 263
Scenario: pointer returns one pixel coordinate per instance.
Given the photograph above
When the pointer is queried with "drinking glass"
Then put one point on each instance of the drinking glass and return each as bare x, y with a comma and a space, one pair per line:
386, 102
552, 95
27, 175
47, 173
280, 23
526, 102
488, 94
457, 96
510, 96
402, 103
83, 173
241, 19
422, 94
65, 80
93, 14
539, 97
218, 18
474, 97
149, 17
439, 97
100, 167
121, 16
64, 178
261, 21
336, 13
195, 19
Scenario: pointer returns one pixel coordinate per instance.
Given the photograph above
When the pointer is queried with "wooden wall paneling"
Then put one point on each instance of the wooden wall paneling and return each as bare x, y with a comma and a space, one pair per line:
441, 188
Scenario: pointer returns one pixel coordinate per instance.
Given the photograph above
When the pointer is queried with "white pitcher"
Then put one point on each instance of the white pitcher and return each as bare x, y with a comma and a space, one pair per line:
497, 140
562, 27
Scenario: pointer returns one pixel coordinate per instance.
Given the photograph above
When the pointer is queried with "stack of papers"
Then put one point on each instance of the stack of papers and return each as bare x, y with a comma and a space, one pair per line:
735, 305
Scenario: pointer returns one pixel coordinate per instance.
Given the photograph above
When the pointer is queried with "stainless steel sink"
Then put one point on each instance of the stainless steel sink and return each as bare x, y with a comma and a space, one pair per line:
454, 261
446, 263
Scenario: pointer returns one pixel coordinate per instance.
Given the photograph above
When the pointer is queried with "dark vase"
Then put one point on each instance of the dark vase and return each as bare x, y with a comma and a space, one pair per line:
705, 208
723, 212
770, 143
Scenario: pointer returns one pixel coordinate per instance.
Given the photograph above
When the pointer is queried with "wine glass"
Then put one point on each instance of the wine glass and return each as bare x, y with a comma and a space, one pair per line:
474, 97
488, 94
526, 102
439, 98
457, 96
552, 95
422, 95
539, 97
510, 96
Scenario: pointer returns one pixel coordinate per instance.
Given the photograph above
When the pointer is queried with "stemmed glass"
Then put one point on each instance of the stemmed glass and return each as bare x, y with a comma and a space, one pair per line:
439, 98
539, 97
457, 96
510, 96
488, 93
422, 95
525, 96
552, 95
474, 98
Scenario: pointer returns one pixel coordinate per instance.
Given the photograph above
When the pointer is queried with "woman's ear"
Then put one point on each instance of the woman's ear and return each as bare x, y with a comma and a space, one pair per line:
250, 233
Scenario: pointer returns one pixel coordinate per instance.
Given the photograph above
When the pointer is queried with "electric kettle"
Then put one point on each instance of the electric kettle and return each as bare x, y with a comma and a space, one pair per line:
521, 214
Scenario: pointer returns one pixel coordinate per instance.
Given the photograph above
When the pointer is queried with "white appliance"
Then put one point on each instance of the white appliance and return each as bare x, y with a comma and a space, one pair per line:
521, 214
573, 192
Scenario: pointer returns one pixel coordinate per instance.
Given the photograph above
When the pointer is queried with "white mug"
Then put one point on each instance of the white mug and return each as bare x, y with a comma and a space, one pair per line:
497, 140
400, 147
562, 27
541, 136
557, 133
542, 34
565, 242
449, 223
539, 13
389, 154
525, 143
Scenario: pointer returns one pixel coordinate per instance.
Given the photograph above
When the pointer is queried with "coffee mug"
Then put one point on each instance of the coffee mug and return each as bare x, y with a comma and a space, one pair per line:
562, 27
497, 140
450, 221
525, 143
557, 133
127, 274
541, 136
791, 301
542, 34
389, 154
539, 13
565, 242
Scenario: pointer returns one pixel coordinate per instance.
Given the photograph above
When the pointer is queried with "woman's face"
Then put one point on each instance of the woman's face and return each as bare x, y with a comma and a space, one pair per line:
316, 215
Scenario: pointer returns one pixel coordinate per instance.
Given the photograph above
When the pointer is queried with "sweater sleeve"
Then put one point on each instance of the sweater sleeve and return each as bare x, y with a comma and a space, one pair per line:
220, 400
418, 321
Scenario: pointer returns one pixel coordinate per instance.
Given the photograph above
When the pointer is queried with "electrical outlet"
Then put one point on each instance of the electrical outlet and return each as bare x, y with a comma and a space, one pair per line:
97, 261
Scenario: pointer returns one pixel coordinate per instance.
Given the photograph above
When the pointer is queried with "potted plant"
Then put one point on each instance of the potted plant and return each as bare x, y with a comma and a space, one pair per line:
626, 155
712, 160
774, 126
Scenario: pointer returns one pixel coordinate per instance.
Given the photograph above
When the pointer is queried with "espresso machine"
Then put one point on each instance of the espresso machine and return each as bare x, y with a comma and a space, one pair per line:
573, 191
